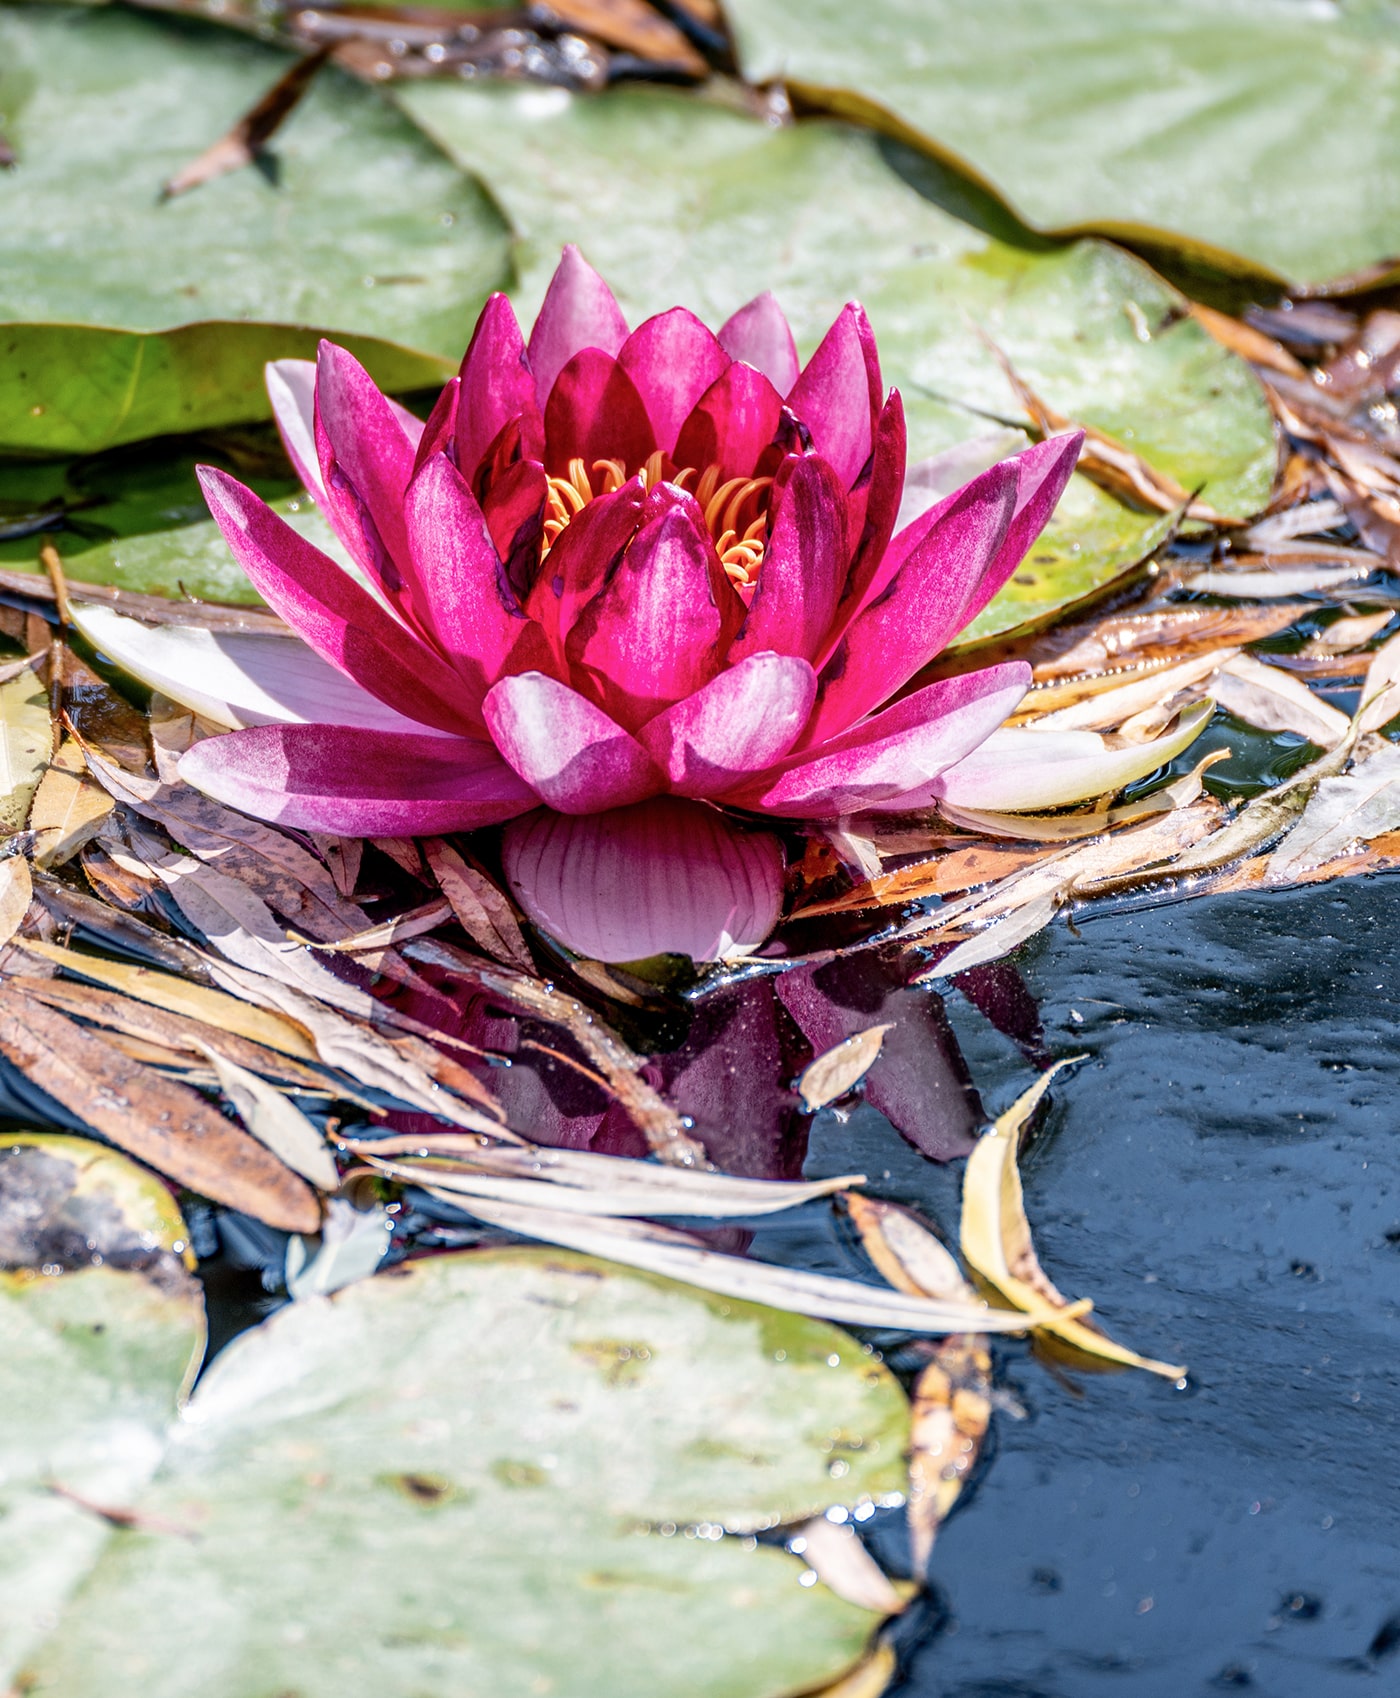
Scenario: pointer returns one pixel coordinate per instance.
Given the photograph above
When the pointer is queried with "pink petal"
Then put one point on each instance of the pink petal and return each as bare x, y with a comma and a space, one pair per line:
411, 425
665, 877
366, 461
804, 565
578, 312
595, 413
673, 359
838, 394
331, 613
731, 424
877, 503
569, 751
438, 433
513, 507
1042, 473
657, 629
291, 388
497, 385
739, 723
922, 606
586, 553
474, 614
358, 783
760, 336
899, 751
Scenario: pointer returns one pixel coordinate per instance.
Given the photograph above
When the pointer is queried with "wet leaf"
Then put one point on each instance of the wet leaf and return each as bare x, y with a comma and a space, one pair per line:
130, 318
1269, 698
1285, 580
841, 1562
1122, 122
520, 1514
101, 1330
841, 1069
351, 1245
26, 742
996, 1239
1342, 813
276, 1122
155, 1119
999, 938
69, 807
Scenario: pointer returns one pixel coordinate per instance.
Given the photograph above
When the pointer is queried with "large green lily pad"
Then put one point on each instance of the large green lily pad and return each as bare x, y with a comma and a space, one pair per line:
130, 317
1250, 138
100, 1329
499, 1472
675, 200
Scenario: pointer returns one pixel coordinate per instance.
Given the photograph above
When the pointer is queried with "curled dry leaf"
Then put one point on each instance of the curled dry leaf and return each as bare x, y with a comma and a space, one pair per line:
1103, 710
1286, 580
1380, 692
843, 1565
275, 1122
996, 1241
841, 1069
998, 939
69, 807
1269, 698
483, 911
241, 145
1343, 813
415, 923
1161, 635
16, 893
159, 1121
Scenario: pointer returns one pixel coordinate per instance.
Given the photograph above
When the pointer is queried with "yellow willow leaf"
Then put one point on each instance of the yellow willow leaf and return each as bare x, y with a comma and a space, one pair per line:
26, 742
16, 892
996, 1237
69, 807
178, 996
841, 1068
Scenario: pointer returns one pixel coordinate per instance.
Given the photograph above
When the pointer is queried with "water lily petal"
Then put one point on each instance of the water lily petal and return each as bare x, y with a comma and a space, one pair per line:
927, 482
440, 429
741, 722
582, 559
898, 752
731, 424
496, 386
922, 606
358, 782
291, 388
804, 566
838, 394
366, 460
411, 425
1042, 473
474, 614
513, 506
1019, 769
668, 876
567, 749
329, 610
578, 312
673, 359
595, 413
235, 678
760, 335
875, 504
656, 630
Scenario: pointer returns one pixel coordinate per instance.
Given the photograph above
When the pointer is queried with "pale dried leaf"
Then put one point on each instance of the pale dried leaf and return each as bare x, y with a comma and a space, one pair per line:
1380, 692
1344, 636
482, 910
841, 1068
1109, 708
16, 893
351, 1245
1282, 581
1273, 700
412, 924
69, 807
275, 1122
844, 1566
1342, 813
999, 938
26, 742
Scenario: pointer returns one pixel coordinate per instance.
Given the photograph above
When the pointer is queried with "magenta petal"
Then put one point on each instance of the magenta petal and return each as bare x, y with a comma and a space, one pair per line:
356, 782
1042, 473
898, 752
580, 562
838, 394
595, 413
655, 632
411, 425
731, 424
804, 566
666, 877
760, 336
877, 503
578, 312
496, 386
921, 608
569, 751
331, 613
513, 507
366, 461
438, 432
472, 611
291, 388
741, 722
673, 359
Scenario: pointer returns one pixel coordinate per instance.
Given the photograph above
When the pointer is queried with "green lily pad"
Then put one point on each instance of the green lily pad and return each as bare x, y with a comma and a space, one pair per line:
101, 1328
503, 1472
676, 199
1251, 139
130, 317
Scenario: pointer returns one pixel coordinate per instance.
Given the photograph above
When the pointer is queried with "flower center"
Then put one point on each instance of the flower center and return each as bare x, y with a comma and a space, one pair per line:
736, 509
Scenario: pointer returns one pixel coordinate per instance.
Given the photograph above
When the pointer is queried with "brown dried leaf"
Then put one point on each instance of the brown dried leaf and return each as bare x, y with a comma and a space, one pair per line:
16, 893
1243, 339
253, 130
157, 1120
481, 909
841, 1068
1164, 635
69, 807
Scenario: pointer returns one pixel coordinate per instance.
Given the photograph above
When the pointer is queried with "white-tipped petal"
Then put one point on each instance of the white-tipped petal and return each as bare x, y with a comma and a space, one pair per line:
236, 678
1019, 769
663, 877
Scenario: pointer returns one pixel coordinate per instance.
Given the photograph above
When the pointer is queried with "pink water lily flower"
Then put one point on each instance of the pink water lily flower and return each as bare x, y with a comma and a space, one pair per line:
619, 584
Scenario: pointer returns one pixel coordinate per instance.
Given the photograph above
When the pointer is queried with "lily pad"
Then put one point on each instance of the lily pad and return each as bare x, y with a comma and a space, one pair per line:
130, 317
101, 1327
677, 199
1253, 139
489, 1472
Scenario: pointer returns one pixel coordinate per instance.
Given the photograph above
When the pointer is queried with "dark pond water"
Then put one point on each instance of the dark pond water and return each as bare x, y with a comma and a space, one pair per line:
1223, 1177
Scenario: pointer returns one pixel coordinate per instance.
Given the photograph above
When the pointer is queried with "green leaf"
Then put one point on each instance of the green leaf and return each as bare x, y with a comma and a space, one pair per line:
100, 1329
1250, 139
676, 199
131, 317
489, 1472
